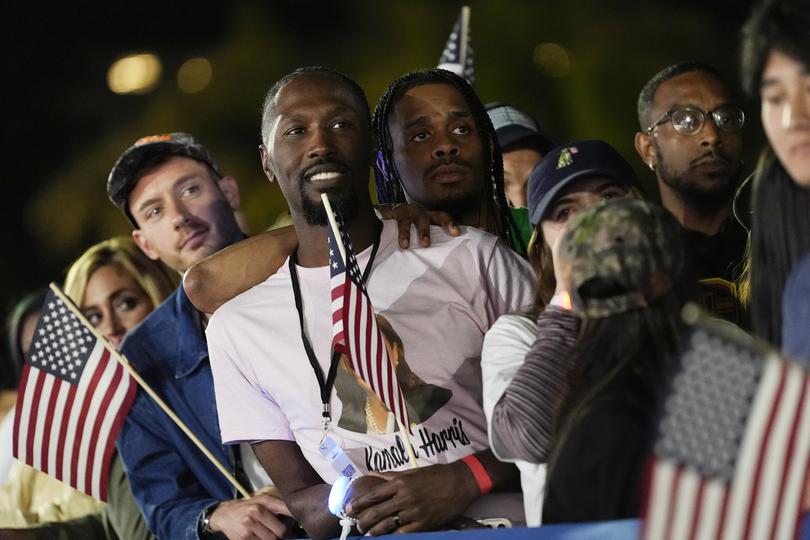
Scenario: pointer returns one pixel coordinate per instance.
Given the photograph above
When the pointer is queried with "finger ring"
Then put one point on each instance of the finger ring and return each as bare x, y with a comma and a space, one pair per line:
397, 521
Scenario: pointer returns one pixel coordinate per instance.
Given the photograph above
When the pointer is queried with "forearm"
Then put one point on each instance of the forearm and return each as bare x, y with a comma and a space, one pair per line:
309, 507
523, 418
165, 489
504, 476
235, 269
304, 491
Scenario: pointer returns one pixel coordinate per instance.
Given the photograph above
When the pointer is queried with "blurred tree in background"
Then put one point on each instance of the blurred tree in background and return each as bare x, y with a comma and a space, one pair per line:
577, 66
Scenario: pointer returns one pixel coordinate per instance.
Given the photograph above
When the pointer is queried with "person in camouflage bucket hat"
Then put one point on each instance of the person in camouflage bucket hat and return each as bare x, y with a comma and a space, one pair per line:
624, 267
620, 255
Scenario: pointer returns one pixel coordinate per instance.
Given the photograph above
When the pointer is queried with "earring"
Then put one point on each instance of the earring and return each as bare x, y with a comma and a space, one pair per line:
651, 165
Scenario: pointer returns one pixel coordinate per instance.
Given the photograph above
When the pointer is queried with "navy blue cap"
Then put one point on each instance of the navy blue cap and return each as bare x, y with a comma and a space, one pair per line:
574, 161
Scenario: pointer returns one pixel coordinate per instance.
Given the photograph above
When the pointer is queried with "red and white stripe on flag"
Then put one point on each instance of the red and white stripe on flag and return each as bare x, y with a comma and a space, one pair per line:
72, 401
354, 326
763, 498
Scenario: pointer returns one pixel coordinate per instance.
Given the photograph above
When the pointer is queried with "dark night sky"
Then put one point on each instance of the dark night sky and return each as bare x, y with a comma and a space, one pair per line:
64, 128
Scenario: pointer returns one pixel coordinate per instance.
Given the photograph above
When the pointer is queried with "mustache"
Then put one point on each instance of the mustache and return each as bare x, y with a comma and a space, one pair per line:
708, 156
191, 228
448, 161
334, 164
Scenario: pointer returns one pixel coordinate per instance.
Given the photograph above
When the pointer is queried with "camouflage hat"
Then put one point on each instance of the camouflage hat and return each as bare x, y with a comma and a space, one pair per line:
621, 255
123, 175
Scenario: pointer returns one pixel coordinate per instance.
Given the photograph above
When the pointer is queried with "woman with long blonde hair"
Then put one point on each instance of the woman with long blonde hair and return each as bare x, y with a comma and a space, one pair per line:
116, 286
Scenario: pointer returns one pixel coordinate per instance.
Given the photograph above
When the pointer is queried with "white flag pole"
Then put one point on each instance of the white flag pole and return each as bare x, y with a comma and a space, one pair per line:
465, 26
143, 384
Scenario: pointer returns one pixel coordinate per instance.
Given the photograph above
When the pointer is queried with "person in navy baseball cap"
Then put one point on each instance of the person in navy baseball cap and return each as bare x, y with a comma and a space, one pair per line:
570, 179
574, 161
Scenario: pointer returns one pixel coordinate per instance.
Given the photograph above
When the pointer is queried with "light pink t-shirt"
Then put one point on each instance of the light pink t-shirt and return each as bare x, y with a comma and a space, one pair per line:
433, 306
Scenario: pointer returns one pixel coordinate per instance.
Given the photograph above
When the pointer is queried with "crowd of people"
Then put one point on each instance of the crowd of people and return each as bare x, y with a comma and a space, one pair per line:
527, 294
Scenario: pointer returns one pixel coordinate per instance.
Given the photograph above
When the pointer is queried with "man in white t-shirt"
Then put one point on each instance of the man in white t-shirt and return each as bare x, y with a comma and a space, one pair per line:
271, 352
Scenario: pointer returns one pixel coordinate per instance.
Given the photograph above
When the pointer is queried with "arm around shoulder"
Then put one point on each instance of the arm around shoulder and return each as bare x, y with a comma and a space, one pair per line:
235, 269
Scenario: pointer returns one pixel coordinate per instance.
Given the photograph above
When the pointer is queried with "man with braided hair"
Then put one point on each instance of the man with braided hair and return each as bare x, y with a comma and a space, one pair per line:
437, 147
271, 346
454, 169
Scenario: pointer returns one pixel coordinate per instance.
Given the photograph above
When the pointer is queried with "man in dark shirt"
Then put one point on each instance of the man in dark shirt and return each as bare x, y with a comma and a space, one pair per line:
691, 138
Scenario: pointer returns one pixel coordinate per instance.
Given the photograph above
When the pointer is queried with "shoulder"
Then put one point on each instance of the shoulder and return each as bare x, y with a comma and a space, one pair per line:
162, 318
485, 246
273, 293
507, 341
266, 293
510, 327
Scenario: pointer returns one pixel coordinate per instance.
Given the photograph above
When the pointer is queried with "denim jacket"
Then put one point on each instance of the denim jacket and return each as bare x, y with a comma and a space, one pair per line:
173, 482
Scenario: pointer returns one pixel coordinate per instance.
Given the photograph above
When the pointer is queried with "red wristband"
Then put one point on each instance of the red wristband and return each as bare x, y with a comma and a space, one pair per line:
480, 473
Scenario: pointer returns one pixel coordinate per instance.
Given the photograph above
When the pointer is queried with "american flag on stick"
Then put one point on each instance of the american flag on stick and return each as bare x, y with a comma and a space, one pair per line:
72, 401
733, 445
354, 324
457, 55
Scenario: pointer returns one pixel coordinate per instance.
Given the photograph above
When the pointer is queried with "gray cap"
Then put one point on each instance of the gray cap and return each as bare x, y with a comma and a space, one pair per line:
123, 175
514, 127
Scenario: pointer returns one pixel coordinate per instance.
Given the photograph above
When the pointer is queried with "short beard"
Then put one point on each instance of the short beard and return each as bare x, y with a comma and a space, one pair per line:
705, 201
458, 205
345, 203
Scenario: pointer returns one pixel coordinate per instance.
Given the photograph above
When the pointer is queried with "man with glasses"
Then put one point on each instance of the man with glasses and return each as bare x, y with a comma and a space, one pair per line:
691, 138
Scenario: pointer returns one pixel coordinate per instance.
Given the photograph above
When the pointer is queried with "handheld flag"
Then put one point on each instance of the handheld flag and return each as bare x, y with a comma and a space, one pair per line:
72, 401
732, 451
458, 52
354, 325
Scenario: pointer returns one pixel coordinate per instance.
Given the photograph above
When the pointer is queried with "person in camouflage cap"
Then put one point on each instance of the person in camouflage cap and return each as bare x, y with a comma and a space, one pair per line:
624, 266
620, 255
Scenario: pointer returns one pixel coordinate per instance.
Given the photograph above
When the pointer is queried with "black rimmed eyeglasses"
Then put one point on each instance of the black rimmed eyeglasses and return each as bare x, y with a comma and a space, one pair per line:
690, 120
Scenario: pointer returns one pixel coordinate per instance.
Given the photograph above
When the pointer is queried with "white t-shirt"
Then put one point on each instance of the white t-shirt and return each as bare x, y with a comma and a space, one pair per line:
505, 347
6, 445
433, 306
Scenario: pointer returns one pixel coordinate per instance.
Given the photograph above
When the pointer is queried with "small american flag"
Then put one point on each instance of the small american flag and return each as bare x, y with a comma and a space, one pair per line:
733, 445
458, 52
354, 326
72, 401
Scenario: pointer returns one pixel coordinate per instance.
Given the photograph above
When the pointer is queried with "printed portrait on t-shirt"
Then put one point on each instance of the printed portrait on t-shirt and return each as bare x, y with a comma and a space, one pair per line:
364, 412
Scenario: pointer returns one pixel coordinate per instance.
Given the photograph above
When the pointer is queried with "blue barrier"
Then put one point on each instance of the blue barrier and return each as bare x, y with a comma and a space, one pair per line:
628, 529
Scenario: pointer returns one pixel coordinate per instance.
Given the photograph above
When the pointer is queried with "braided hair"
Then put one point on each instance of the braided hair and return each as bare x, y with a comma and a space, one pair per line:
389, 182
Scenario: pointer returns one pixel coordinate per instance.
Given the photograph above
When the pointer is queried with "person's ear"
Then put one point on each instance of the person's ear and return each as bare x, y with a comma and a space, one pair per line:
230, 188
645, 147
143, 243
264, 157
